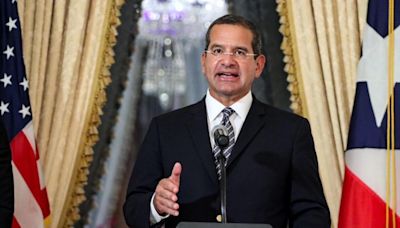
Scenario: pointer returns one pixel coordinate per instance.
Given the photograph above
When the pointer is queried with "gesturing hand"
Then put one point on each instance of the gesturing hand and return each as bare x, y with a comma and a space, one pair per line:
165, 195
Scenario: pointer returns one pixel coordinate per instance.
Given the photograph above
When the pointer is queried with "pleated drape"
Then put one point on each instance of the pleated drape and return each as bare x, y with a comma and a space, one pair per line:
322, 44
67, 50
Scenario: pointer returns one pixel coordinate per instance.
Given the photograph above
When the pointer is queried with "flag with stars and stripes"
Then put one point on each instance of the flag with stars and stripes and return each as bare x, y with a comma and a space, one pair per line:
370, 195
31, 207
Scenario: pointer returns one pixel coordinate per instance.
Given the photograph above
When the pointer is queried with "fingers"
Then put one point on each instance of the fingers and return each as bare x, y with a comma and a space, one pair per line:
165, 199
176, 173
167, 189
166, 206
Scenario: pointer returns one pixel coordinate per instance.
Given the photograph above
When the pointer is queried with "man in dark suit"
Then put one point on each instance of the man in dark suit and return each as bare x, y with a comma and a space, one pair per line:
271, 169
6, 180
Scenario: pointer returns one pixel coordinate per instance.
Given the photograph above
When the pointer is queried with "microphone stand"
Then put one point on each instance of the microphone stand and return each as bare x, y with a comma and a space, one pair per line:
222, 141
222, 186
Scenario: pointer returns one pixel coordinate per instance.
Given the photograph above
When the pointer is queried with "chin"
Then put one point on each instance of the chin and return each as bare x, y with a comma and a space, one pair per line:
229, 93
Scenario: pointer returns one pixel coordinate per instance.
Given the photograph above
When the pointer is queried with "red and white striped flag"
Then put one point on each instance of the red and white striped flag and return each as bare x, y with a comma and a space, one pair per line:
31, 202
371, 184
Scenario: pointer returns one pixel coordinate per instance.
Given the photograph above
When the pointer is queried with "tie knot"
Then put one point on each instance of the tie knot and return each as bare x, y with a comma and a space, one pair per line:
227, 112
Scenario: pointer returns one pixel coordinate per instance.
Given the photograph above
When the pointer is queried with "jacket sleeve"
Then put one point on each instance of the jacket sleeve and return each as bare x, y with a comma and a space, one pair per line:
308, 204
144, 179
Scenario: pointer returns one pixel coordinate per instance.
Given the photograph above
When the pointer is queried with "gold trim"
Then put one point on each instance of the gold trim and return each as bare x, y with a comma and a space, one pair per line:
98, 100
289, 49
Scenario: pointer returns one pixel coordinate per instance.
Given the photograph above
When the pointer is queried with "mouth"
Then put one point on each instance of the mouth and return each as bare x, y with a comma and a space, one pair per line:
227, 74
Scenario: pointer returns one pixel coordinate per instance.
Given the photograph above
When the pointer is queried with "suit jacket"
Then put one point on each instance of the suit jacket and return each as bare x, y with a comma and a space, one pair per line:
272, 173
6, 180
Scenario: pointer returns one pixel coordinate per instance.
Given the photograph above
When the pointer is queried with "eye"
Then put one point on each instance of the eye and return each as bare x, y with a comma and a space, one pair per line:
217, 51
240, 52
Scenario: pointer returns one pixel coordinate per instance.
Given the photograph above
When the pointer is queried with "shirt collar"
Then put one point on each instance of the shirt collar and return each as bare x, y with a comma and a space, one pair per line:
241, 107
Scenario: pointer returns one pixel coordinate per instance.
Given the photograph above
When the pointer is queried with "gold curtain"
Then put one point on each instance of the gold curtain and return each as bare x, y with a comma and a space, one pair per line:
67, 50
322, 43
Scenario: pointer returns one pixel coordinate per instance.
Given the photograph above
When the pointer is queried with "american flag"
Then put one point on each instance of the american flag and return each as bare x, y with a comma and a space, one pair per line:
31, 202
368, 198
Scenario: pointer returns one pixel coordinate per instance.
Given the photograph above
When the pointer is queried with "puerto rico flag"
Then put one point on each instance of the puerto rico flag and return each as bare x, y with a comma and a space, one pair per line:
364, 196
31, 207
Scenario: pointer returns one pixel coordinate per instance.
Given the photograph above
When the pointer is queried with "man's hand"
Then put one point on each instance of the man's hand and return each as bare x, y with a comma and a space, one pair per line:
165, 196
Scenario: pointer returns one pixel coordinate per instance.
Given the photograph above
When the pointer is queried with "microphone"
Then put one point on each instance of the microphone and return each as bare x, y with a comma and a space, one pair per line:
221, 139
220, 133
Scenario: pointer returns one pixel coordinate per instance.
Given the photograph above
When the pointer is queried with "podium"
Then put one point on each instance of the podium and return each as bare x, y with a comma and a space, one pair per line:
221, 225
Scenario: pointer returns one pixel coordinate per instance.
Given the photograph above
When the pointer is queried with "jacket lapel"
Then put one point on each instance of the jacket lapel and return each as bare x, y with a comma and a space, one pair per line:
254, 122
198, 128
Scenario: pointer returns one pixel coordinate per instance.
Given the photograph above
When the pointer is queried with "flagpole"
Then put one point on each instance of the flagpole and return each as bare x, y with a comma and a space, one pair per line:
391, 191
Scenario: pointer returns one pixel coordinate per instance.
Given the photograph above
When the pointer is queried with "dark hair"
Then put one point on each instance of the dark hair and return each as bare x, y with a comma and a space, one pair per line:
237, 20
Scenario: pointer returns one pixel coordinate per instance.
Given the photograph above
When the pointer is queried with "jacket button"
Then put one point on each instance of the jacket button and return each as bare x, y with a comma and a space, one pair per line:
219, 218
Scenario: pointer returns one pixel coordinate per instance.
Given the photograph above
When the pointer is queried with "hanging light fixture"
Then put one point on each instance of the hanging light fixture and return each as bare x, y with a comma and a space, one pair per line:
167, 25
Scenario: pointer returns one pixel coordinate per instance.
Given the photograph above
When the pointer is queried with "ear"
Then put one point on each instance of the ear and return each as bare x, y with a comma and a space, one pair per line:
260, 63
203, 62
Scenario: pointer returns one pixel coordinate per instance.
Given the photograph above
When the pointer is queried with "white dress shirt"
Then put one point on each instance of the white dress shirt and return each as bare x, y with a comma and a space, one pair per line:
214, 117
214, 114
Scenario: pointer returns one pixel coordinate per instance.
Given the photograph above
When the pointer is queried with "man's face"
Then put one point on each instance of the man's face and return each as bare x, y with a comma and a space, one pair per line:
229, 77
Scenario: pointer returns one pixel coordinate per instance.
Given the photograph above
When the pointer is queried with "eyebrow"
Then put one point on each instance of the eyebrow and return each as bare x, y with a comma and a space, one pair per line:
234, 48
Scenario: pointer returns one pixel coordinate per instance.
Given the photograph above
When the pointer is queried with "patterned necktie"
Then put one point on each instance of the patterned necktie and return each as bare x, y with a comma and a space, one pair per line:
227, 112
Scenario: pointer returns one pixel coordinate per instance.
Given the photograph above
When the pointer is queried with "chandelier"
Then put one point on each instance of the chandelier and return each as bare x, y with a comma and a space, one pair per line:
167, 27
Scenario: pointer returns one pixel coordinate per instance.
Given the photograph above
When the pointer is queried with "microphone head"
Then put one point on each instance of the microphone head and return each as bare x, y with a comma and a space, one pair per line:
220, 133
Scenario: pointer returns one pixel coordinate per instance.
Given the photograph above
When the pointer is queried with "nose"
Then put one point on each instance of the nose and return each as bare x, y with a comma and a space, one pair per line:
228, 60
